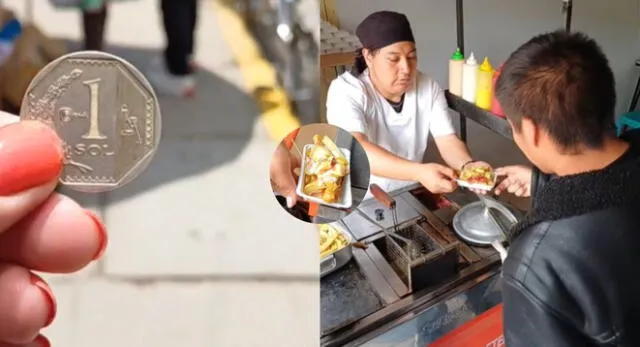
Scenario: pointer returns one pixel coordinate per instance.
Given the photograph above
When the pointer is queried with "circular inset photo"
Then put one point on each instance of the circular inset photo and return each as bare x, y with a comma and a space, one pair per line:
319, 173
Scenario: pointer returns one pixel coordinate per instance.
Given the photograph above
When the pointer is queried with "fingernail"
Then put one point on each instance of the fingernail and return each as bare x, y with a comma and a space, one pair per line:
291, 201
30, 155
41, 341
44, 288
102, 234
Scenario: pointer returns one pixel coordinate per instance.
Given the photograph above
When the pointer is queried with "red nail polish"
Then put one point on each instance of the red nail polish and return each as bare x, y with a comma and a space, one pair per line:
51, 300
42, 341
102, 234
30, 155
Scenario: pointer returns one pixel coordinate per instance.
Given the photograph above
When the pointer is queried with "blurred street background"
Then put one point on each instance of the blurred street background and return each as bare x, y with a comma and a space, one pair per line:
200, 254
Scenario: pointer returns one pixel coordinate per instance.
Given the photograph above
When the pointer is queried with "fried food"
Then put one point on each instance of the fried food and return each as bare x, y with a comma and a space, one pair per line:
325, 168
478, 175
331, 240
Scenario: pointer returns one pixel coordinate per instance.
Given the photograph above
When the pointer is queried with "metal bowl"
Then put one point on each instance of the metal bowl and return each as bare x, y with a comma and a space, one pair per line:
333, 261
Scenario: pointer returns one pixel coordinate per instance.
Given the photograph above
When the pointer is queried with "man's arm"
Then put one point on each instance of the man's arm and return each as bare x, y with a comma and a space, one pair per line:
453, 150
528, 321
386, 164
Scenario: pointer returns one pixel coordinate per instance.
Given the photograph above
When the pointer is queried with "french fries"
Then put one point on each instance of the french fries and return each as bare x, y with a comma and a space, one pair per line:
324, 169
331, 240
478, 175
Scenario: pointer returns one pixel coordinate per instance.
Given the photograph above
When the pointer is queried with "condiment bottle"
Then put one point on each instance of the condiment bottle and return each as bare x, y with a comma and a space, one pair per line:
495, 105
470, 78
484, 86
455, 73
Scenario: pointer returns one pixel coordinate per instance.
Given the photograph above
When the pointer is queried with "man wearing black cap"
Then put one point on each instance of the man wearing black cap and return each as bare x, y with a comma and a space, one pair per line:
391, 108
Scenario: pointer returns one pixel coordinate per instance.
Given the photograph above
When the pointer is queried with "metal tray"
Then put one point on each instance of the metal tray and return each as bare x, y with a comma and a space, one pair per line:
346, 200
339, 258
473, 224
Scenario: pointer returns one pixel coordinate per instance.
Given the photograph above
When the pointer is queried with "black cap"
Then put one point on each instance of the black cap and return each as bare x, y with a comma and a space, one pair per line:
384, 28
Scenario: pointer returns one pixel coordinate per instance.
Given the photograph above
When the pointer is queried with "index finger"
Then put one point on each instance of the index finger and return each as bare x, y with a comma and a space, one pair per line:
447, 172
447, 186
506, 181
505, 170
30, 162
58, 237
504, 185
501, 171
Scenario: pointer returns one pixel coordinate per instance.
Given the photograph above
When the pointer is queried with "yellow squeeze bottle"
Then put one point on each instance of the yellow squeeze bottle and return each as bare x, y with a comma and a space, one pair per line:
484, 88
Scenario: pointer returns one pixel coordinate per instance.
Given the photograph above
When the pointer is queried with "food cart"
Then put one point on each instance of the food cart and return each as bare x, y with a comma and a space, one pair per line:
371, 301
452, 299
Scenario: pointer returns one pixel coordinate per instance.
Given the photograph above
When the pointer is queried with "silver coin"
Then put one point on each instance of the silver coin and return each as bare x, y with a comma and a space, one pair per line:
105, 112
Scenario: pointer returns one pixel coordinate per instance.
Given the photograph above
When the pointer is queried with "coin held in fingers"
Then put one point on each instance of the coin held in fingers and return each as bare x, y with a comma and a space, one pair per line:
105, 112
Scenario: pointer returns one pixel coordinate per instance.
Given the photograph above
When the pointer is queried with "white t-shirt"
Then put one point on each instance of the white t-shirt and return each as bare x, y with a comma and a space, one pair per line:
355, 106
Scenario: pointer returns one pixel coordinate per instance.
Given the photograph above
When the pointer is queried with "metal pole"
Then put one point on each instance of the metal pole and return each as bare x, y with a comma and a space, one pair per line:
460, 37
460, 25
567, 7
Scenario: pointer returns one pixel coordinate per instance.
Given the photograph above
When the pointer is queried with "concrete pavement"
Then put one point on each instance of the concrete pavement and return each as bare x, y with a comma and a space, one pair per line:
199, 253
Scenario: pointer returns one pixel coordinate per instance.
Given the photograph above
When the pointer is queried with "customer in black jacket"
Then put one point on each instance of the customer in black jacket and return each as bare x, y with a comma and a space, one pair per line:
572, 276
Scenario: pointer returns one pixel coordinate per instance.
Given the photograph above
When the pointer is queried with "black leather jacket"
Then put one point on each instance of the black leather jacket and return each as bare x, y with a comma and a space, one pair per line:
572, 276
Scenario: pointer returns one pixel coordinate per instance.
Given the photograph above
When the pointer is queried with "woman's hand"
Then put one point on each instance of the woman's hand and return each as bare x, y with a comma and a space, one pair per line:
438, 179
517, 180
40, 230
283, 177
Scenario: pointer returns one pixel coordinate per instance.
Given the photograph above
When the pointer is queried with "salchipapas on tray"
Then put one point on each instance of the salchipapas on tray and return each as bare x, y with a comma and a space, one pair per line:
325, 167
331, 240
483, 178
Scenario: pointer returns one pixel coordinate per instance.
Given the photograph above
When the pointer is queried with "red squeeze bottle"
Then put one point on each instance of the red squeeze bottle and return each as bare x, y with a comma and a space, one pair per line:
495, 105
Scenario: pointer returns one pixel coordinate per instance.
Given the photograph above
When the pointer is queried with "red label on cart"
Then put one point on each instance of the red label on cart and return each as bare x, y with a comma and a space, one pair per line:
483, 331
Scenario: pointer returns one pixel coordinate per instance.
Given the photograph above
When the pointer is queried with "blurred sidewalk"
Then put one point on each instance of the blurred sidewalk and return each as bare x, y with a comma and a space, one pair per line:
200, 254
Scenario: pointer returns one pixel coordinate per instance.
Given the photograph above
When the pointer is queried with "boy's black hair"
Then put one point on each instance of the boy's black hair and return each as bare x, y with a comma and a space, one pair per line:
562, 82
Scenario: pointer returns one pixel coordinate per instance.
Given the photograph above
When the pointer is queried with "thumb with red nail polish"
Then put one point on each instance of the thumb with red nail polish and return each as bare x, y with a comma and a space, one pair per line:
30, 162
40, 230
30, 155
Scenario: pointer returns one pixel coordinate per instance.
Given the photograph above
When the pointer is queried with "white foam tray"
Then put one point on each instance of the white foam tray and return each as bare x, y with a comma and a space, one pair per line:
346, 200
